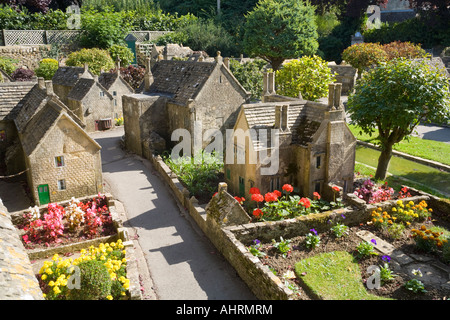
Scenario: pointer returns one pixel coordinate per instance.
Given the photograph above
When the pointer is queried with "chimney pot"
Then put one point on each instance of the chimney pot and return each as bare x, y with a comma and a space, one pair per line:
49, 87
41, 82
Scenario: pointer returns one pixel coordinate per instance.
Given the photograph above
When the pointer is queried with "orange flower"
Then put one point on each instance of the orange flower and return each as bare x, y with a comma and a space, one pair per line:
270, 196
336, 188
305, 202
257, 213
254, 190
316, 195
278, 193
257, 197
288, 188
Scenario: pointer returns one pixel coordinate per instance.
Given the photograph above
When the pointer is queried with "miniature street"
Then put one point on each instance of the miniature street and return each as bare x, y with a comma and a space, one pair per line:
183, 264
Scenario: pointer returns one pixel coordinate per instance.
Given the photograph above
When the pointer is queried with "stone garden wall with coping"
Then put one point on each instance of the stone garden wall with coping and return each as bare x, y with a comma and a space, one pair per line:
231, 239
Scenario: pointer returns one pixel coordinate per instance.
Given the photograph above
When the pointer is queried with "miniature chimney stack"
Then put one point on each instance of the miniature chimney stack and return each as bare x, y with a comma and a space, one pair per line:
41, 82
334, 96
281, 117
118, 65
219, 58
226, 62
49, 87
148, 76
269, 83
331, 88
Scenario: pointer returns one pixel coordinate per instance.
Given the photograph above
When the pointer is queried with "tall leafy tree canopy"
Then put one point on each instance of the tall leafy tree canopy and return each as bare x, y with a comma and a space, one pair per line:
276, 30
41, 5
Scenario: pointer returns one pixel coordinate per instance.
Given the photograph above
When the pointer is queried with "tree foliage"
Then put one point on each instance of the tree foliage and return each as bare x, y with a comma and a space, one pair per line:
250, 75
309, 76
394, 98
280, 29
349, 8
97, 59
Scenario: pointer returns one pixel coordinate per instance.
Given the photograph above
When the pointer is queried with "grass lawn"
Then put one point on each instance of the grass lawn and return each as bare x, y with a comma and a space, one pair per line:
333, 276
415, 146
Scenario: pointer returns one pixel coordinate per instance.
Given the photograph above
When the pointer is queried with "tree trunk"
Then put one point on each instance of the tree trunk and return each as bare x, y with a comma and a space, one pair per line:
383, 162
276, 63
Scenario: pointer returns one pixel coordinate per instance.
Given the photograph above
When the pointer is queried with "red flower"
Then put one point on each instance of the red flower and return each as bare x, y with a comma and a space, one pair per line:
288, 188
305, 202
240, 200
257, 213
316, 195
270, 196
257, 197
254, 190
336, 189
278, 193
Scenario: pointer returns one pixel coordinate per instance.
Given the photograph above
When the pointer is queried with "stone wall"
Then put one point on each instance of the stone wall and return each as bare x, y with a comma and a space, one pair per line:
28, 56
17, 279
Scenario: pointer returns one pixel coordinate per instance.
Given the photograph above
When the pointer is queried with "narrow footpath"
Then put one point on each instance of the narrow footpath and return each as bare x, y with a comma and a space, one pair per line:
182, 263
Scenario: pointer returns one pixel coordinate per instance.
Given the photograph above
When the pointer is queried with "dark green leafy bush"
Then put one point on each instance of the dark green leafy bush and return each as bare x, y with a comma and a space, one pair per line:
95, 281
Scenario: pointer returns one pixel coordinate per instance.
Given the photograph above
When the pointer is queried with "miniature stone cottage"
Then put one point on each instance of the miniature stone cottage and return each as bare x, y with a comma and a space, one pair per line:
58, 156
177, 95
315, 146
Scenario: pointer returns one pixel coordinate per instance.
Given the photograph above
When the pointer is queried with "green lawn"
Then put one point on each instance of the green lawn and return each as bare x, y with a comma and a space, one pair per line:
333, 276
423, 148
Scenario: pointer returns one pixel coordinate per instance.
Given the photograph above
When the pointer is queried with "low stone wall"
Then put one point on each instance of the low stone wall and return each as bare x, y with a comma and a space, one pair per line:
231, 239
28, 56
17, 280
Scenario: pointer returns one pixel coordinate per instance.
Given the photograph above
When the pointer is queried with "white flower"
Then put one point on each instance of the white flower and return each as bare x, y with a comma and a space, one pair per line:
289, 275
417, 272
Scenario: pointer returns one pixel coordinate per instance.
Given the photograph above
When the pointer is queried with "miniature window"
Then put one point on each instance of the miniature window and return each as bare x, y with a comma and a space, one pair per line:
59, 161
228, 174
115, 102
114, 93
61, 184
318, 162
317, 187
102, 93
275, 183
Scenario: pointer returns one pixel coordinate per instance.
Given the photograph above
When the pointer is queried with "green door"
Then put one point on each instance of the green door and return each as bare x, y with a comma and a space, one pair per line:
241, 187
44, 194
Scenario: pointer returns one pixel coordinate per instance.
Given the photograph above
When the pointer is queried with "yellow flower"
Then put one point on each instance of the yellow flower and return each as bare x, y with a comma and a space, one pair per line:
56, 290
109, 297
44, 276
55, 257
51, 283
411, 203
48, 271
394, 209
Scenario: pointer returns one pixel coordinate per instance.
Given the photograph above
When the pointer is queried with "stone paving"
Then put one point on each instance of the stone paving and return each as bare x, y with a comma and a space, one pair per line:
435, 273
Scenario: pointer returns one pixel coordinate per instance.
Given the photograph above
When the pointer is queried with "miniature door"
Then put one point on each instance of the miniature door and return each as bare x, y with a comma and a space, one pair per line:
44, 194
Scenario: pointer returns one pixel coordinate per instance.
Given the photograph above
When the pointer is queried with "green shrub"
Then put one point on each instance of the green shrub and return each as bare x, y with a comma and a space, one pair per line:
8, 64
124, 53
47, 68
250, 75
309, 76
95, 281
102, 30
398, 49
97, 59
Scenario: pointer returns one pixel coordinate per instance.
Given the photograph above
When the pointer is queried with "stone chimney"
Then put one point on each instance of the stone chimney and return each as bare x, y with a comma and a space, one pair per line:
281, 117
226, 62
219, 58
334, 96
118, 65
41, 82
148, 76
269, 83
49, 87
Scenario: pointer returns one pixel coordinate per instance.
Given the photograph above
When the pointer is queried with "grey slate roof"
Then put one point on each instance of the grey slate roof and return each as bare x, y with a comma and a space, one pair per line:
107, 79
34, 100
80, 89
67, 76
41, 123
303, 121
11, 95
182, 80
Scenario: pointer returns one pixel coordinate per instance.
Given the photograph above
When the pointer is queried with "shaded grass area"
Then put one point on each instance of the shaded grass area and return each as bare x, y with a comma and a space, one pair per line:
415, 146
405, 169
333, 276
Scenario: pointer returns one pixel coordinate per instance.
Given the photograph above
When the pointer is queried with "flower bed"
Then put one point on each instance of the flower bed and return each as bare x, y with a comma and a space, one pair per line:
424, 236
58, 225
99, 273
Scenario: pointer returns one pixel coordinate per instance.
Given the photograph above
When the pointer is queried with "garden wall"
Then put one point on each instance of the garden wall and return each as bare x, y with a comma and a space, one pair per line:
231, 238
17, 280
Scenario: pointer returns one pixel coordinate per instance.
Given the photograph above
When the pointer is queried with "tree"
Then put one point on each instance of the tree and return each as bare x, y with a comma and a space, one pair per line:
280, 29
309, 76
348, 8
41, 6
394, 98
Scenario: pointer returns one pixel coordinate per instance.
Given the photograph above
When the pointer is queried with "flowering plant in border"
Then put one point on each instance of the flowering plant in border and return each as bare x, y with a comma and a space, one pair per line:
370, 193
255, 249
55, 276
90, 215
312, 239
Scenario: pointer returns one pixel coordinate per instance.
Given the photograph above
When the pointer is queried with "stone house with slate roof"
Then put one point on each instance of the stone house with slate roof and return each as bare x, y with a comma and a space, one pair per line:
65, 79
92, 103
59, 157
178, 94
316, 147
117, 87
